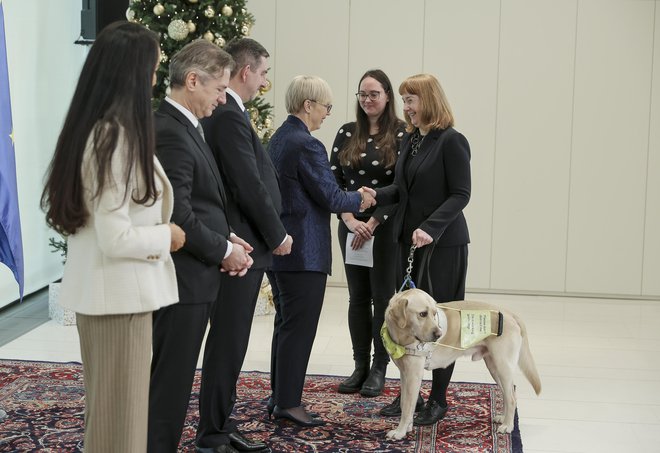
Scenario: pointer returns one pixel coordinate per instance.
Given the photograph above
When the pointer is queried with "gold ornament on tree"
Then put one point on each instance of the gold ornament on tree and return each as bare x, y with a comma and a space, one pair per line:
227, 11
178, 30
130, 15
191, 26
209, 12
266, 88
245, 30
220, 41
209, 36
159, 9
193, 1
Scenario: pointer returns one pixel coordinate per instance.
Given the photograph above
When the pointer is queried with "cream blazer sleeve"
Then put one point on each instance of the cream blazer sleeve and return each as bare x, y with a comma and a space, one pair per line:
120, 262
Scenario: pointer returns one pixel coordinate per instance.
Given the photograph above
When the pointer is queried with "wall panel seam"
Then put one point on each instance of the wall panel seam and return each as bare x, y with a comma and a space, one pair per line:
494, 175
570, 150
648, 149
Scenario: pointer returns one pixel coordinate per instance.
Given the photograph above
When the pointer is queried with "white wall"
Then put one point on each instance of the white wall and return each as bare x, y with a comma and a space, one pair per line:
43, 70
560, 100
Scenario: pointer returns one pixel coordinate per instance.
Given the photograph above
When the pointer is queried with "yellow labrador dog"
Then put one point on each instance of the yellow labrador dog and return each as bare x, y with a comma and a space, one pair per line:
430, 335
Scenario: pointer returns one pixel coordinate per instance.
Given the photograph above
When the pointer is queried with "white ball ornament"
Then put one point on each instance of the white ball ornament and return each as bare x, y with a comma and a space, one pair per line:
227, 11
178, 30
209, 12
159, 9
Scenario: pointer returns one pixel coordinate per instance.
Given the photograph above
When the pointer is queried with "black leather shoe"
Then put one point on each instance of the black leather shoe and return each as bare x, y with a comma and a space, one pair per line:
241, 443
286, 414
431, 414
225, 448
394, 408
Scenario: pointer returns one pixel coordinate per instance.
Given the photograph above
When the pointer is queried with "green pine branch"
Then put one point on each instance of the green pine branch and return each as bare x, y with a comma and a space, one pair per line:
179, 22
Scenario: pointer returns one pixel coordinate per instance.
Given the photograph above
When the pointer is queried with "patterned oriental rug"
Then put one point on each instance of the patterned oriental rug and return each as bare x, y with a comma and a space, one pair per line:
44, 405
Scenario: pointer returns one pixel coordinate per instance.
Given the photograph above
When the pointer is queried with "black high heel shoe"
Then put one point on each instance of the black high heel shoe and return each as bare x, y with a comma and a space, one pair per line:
270, 405
286, 414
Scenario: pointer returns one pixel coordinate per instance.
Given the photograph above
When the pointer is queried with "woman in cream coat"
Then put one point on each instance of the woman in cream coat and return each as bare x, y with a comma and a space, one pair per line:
106, 192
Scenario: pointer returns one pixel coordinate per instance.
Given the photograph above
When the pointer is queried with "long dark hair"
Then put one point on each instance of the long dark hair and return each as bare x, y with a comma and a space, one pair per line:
113, 97
388, 124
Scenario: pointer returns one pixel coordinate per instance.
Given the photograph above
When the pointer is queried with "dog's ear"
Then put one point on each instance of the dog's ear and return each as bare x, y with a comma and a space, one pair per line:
399, 310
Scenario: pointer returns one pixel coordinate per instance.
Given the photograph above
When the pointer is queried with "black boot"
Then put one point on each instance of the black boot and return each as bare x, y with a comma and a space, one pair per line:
373, 386
354, 383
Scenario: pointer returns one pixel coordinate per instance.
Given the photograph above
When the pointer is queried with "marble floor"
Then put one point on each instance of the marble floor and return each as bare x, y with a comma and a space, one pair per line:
598, 361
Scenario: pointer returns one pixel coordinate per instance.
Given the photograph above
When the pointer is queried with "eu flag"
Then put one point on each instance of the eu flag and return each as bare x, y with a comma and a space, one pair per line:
11, 244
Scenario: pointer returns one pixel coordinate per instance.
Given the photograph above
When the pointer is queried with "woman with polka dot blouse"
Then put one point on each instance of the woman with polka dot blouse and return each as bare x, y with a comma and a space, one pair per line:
364, 154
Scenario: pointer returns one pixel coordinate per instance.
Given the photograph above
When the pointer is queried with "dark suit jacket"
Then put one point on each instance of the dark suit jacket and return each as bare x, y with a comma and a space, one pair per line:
199, 204
253, 193
309, 194
432, 188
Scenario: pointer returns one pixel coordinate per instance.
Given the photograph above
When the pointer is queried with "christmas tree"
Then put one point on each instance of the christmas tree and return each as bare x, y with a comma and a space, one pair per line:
180, 21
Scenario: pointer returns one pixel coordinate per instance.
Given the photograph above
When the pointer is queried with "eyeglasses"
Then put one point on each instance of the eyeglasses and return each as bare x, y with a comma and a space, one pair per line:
328, 107
372, 95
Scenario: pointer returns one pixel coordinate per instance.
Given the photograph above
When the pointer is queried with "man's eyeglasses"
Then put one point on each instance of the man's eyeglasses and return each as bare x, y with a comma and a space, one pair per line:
372, 95
328, 107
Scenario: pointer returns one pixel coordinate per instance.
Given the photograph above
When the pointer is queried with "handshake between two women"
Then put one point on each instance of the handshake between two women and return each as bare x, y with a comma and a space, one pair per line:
368, 198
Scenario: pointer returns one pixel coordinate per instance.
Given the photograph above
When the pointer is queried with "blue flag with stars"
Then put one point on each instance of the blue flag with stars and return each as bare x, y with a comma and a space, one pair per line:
11, 244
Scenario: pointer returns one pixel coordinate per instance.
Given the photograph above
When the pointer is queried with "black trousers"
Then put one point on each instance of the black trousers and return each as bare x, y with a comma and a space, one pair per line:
366, 286
298, 298
443, 276
224, 353
178, 332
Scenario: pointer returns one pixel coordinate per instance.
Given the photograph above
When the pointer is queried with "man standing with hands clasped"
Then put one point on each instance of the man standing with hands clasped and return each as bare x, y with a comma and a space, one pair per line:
254, 198
199, 74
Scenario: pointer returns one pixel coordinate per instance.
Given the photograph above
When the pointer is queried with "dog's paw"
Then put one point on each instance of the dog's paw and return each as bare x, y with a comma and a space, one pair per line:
505, 429
396, 434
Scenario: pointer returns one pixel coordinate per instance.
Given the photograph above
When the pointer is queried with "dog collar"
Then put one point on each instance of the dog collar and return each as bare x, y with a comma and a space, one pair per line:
396, 351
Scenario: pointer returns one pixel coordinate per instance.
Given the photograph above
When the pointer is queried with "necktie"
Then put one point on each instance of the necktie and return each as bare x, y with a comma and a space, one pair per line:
201, 131
247, 115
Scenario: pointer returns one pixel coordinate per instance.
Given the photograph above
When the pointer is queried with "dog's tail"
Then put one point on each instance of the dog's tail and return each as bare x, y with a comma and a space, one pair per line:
526, 360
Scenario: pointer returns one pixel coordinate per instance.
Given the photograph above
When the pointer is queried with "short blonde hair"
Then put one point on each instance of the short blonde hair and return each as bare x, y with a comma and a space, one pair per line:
435, 109
304, 87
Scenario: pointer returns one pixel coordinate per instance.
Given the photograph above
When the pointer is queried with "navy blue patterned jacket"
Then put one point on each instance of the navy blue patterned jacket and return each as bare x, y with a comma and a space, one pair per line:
309, 195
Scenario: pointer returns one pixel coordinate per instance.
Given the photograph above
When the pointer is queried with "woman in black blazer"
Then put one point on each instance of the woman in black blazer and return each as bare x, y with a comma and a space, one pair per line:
432, 186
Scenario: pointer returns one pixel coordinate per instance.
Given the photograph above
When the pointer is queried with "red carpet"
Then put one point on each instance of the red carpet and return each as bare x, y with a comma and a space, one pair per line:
44, 403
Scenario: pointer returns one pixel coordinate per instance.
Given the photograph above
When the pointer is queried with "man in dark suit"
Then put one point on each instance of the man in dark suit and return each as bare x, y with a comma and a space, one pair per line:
254, 199
199, 75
